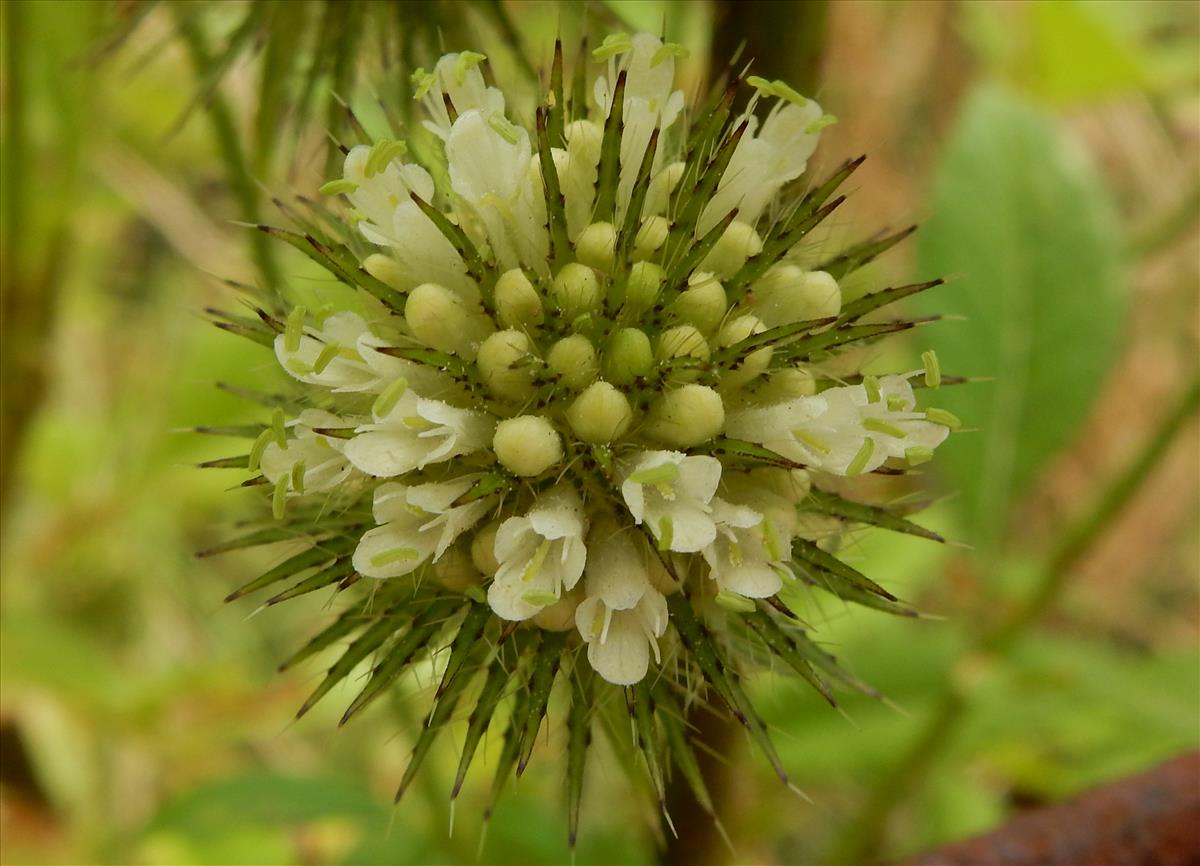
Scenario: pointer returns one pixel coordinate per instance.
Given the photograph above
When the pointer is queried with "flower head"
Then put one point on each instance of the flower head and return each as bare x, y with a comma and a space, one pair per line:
583, 417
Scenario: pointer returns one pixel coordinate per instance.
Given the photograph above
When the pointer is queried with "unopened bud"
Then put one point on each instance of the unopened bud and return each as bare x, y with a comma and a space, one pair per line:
559, 616
517, 302
596, 246
644, 283
628, 356
736, 330
681, 341
455, 570
527, 445
441, 319
506, 365
658, 196
686, 416
650, 237
600, 414
746, 370
783, 385
483, 548
576, 290
386, 270
703, 303
574, 359
739, 242
787, 294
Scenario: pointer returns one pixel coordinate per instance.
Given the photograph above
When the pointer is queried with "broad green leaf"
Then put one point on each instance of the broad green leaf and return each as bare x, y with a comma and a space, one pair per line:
1028, 233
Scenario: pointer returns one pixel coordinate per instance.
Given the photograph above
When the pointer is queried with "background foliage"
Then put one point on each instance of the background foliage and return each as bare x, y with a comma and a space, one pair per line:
1048, 148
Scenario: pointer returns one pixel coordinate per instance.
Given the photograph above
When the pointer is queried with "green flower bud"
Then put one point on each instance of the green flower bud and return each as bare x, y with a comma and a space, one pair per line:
703, 303
686, 416
560, 616
739, 242
681, 341
788, 294
596, 246
576, 290
506, 365
600, 414
661, 187
644, 283
783, 385
517, 301
483, 548
527, 445
749, 369
386, 270
441, 319
741, 328
650, 237
574, 360
628, 356
455, 570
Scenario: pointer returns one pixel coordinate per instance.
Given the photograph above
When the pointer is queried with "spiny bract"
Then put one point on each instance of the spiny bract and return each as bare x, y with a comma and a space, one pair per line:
583, 419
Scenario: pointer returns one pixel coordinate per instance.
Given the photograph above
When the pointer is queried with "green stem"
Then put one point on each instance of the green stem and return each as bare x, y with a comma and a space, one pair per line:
862, 839
228, 144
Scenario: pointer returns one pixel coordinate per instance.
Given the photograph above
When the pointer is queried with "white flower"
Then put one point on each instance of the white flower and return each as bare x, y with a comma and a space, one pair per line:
416, 524
846, 430
490, 169
650, 101
623, 615
416, 432
747, 553
457, 76
323, 465
541, 555
764, 162
328, 355
670, 492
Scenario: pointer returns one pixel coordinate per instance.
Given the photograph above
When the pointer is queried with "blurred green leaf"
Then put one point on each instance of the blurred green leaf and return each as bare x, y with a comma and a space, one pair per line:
1059, 51
1029, 229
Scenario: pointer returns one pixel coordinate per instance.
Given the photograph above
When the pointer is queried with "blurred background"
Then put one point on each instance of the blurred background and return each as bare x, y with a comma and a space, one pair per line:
1049, 151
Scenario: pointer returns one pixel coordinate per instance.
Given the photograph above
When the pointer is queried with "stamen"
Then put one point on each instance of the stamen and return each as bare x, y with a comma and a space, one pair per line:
396, 554
859, 463
381, 155
467, 61
666, 533
608, 614
668, 49
295, 365
536, 561
294, 330
878, 425
279, 498
257, 449
539, 597
613, 44
298, 476
664, 473
916, 456
871, 386
818, 445
416, 422
896, 403
933, 369
277, 428
820, 123
328, 353
422, 83
944, 418
391, 395
504, 128
342, 186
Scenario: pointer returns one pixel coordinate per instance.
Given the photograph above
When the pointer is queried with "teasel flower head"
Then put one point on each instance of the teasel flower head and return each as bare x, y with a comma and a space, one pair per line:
589, 426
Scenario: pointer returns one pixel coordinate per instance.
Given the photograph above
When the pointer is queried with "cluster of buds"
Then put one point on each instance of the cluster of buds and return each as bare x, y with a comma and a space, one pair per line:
582, 426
